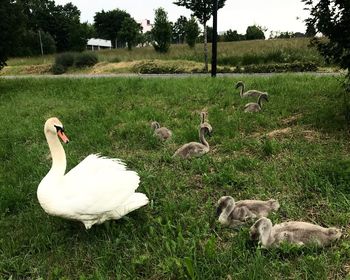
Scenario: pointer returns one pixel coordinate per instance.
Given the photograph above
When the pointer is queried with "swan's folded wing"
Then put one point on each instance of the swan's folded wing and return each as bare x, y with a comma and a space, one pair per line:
98, 185
95, 162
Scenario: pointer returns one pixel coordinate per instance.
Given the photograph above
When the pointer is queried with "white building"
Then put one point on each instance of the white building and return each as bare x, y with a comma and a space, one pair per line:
97, 44
146, 25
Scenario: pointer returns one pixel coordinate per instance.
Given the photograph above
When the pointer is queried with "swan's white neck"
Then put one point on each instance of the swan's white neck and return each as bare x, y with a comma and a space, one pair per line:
58, 155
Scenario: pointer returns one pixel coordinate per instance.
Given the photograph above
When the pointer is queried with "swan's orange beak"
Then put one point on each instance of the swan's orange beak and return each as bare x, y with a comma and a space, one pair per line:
63, 136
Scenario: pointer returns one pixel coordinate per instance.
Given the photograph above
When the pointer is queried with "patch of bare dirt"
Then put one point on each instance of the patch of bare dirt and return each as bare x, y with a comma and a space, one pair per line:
103, 67
37, 69
310, 135
278, 133
292, 119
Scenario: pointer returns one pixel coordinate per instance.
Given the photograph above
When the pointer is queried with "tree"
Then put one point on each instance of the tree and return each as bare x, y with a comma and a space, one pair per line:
161, 31
230, 36
332, 19
30, 44
61, 22
255, 32
179, 30
192, 32
202, 10
108, 24
146, 38
209, 34
11, 25
282, 35
130, 32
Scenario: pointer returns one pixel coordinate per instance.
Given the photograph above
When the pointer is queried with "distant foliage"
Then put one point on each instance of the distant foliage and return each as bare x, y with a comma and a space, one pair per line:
29, 44
58, 69
85, 59
65, 59
108, 25
202, 10
278, 68
232, 35
59, 25
130, 32
286, 35
146, 39
332, 19
62, 62
12, 22
62, 22
152, 67
192, 32
161, 31
179, 30
254, 32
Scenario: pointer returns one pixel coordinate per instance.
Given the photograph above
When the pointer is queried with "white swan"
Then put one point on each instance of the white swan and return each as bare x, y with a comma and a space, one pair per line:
96, 190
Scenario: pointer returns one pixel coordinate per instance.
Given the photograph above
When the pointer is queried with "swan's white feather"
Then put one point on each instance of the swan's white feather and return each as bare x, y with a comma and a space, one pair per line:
98, 185
96, 190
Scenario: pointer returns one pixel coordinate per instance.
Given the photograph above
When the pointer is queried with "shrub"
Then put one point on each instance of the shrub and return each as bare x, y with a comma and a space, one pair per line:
58, 69
114, 59
151, 67
86, 59
278, 68
65, 59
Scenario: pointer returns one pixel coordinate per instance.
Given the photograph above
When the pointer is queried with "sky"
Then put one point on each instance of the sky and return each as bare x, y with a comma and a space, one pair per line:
275, 15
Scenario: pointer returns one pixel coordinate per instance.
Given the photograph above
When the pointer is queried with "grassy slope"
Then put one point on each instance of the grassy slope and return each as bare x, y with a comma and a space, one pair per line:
176, 236
229, 54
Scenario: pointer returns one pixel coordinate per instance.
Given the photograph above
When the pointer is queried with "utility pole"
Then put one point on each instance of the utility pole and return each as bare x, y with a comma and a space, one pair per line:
215, 38
41, 44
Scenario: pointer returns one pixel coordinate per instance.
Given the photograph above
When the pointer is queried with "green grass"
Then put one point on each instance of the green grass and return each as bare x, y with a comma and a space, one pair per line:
176, 235
229, 53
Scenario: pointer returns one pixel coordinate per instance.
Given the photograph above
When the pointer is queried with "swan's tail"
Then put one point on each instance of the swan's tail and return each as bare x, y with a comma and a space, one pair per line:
274, 204
135, 201
334, 233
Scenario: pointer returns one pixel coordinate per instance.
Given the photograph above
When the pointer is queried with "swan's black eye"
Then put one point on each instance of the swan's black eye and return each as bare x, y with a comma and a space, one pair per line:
58, 128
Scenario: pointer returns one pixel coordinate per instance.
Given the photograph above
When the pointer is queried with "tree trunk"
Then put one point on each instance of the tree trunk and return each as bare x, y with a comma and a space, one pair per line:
114, 43
205, 46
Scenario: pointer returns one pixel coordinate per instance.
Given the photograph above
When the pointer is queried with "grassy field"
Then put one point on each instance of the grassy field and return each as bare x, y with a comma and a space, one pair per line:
230, 54
176, 236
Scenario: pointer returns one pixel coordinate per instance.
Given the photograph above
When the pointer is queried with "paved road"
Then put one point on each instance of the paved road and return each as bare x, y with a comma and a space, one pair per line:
130, 75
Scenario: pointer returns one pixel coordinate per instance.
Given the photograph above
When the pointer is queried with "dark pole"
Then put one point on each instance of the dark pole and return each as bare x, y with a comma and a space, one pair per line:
215, 38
